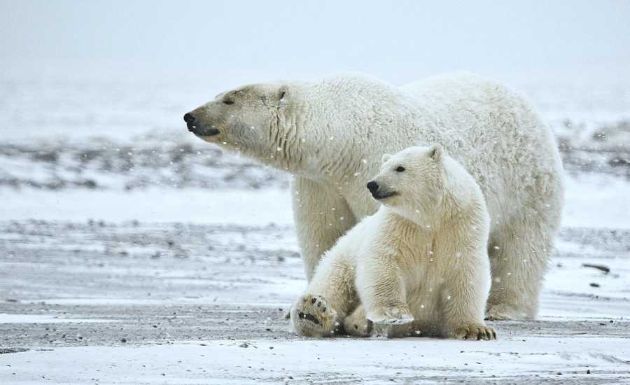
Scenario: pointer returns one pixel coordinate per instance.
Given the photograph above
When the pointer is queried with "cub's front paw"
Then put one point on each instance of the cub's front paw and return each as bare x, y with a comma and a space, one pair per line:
357, 324
474, 332
394, 315
392, 322
312, 317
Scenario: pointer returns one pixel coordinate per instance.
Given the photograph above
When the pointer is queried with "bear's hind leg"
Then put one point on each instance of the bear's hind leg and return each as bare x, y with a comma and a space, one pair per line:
312, 316
330, 296
518, 257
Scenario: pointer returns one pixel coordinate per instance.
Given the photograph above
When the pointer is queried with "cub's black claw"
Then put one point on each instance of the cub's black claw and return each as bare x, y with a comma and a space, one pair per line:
308, 317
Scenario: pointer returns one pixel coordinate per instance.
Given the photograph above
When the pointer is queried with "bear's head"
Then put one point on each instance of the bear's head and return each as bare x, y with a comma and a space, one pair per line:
245, 119
306, 128
411, 182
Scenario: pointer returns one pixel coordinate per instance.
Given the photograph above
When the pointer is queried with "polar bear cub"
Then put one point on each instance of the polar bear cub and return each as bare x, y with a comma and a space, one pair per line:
418, 265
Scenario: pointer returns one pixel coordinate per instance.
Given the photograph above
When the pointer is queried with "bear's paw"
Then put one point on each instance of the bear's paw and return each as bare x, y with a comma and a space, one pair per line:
474, 332
313, 317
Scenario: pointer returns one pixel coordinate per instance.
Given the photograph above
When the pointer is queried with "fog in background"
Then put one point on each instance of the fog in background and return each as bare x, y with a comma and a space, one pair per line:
84, 80
238, 41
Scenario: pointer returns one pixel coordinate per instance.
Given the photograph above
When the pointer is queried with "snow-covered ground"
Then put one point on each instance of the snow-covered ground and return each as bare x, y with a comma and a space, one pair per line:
132, 253
141, 302
510, 360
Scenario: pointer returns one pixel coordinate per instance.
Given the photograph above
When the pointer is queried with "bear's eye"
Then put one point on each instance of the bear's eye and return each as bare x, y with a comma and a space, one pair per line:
228, 101
400, 169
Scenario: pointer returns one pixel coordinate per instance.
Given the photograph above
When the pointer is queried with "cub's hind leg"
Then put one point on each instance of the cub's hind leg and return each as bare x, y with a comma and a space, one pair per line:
329, 298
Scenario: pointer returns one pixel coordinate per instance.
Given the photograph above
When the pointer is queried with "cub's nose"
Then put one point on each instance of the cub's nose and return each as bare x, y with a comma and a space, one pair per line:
372, 186
189, 118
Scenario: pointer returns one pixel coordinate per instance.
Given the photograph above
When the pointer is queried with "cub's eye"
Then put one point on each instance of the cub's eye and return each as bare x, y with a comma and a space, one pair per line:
400, 169
228, 101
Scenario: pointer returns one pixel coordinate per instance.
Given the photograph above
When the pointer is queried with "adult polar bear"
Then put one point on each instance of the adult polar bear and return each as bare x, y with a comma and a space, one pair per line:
331, 135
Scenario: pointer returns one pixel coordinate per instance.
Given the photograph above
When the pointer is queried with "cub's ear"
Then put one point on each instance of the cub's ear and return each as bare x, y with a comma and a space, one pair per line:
385, 158
436, 152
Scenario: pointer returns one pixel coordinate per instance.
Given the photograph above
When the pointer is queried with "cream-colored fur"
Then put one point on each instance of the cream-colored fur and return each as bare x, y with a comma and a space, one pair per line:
331, 135
422, 257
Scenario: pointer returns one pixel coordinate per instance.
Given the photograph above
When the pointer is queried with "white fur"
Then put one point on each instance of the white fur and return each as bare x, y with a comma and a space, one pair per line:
331, 136
422, 256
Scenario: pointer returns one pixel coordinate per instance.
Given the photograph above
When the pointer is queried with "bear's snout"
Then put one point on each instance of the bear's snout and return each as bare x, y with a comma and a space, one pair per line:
380, 192
372, 186
196, 128
189, 118
190, 122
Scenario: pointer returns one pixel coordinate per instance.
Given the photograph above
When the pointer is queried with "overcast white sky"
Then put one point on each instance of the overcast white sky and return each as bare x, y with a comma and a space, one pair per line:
397, 40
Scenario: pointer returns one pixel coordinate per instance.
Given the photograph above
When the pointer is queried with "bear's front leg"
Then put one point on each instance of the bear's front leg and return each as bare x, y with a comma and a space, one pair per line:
473, 331
321, 216
464, 294
382, 293
461, 317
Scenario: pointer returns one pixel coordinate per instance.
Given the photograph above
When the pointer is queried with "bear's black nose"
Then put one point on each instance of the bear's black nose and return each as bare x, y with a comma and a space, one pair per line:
372, 186
189, 118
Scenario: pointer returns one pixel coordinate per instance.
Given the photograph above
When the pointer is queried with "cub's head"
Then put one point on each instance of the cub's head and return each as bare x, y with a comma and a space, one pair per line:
244, 119
410, 181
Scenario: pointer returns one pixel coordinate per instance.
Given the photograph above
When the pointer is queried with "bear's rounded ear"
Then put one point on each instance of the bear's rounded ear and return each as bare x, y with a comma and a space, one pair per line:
385, 158
282, 93
436, 152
